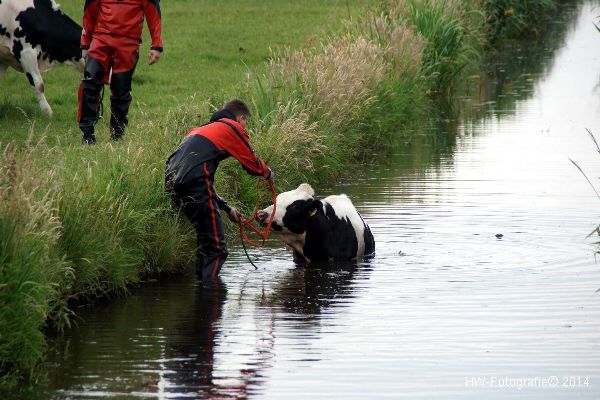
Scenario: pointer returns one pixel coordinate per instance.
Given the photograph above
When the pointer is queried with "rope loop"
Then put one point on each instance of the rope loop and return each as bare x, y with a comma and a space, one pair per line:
247, 223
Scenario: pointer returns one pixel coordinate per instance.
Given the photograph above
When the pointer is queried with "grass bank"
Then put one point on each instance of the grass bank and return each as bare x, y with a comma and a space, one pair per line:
78, 222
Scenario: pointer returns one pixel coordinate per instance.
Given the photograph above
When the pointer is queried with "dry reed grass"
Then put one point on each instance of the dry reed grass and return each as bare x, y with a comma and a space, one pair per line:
336, 83
403, 45
288, 141
32, 273
26, 197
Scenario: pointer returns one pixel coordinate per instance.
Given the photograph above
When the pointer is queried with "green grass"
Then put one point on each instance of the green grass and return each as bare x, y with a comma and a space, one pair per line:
450, 45
77, 222
209, 48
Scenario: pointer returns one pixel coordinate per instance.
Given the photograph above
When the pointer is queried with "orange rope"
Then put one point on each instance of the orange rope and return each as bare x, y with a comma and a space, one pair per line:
247, 223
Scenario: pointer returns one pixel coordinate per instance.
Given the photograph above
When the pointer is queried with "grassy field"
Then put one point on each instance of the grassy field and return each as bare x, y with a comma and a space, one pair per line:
210, 46
81, 222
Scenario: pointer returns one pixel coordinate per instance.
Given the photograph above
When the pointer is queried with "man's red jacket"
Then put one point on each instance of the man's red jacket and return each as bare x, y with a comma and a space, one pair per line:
114, 19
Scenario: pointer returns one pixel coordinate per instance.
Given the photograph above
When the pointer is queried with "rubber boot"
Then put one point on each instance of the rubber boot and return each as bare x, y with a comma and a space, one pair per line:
120, 99
89, 99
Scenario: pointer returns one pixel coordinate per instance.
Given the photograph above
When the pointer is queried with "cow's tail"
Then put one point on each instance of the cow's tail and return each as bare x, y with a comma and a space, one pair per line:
369, 242
368, 239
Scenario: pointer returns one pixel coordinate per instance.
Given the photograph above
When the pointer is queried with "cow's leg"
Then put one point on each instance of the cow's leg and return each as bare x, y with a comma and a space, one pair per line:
3, 69
30, 67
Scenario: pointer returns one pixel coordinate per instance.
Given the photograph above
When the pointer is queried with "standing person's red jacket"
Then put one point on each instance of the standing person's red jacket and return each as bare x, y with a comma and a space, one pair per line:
121, 18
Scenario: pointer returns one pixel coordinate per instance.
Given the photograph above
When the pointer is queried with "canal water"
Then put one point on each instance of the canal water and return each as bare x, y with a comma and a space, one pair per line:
484, 286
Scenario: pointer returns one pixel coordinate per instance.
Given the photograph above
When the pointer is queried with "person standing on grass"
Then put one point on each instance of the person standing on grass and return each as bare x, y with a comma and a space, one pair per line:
190, 174
110, 42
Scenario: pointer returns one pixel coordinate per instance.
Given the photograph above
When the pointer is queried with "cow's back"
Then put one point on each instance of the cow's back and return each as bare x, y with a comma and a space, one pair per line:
45, 25
40, 25
344, 209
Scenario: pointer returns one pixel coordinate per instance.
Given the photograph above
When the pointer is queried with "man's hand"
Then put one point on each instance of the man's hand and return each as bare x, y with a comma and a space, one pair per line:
153, 56
235, 216
269, 175
84, 54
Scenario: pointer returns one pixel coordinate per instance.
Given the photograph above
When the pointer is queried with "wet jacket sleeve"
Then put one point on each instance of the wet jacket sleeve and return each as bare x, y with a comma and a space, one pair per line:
90, 16
255, 166
153, 18
250, 162
243, 151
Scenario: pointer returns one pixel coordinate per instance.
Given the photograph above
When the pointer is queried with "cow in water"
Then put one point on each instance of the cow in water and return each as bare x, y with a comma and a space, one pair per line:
319, 230
35, 35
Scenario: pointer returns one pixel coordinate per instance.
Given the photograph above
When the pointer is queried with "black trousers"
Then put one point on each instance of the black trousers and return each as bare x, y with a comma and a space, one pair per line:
201, 208
97, 67
211, 249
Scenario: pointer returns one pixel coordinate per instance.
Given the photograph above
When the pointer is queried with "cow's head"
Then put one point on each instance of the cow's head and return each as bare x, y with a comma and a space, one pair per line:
294, 208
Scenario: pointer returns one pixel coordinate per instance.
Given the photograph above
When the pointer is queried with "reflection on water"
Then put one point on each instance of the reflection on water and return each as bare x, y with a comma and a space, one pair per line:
183, 339
483, 270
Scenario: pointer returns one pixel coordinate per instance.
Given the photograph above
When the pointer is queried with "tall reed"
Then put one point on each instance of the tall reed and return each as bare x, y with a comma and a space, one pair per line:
596, 231
33, 273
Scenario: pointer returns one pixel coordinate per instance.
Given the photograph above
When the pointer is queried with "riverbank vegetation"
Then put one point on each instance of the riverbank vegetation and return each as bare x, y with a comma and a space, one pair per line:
513, 18
81, 222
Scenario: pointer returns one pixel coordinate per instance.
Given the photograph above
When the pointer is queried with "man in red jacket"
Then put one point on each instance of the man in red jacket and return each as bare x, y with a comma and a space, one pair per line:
110, 40
190, 174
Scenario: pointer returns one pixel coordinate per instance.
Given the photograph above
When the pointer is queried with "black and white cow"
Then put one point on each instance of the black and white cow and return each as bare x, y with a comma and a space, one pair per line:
35, 35
319, 230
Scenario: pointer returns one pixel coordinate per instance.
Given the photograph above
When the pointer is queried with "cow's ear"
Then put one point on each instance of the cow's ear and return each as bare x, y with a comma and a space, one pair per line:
306, 188
313, 207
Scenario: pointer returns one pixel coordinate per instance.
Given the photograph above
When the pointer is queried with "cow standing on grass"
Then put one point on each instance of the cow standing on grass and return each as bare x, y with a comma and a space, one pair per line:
320, 230
34, 36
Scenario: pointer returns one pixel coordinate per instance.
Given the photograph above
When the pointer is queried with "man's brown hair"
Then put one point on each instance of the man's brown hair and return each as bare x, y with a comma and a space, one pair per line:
237, 107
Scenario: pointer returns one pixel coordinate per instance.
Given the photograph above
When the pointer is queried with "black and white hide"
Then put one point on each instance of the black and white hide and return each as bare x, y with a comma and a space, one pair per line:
34, 36
319, 230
